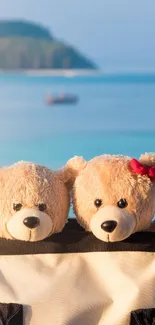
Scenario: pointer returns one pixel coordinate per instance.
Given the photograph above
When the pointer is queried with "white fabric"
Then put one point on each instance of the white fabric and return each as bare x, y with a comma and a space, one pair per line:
79, 289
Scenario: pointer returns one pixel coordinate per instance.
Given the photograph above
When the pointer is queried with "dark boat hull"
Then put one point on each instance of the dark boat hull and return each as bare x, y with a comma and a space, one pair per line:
62, 101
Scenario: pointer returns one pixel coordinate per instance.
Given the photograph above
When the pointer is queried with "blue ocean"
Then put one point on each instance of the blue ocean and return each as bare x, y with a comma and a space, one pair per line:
114, 115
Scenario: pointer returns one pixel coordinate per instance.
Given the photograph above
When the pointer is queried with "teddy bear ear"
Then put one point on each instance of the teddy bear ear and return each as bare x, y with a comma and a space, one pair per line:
72, 169
147, 159
76, 165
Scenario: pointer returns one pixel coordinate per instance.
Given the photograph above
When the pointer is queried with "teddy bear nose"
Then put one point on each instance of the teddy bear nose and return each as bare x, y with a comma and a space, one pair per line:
31, 222
109, 226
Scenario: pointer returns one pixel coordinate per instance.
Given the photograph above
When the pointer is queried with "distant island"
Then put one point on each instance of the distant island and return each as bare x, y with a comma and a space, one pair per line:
25, 45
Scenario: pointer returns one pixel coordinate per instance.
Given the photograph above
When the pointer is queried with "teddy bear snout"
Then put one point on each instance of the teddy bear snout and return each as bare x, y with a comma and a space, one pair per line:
31, 222
109, 226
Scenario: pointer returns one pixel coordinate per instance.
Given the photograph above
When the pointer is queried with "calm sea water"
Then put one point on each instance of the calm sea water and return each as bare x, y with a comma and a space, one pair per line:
115, 115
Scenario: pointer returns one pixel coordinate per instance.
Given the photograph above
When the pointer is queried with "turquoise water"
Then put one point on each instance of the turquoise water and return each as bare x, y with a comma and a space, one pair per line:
115, 115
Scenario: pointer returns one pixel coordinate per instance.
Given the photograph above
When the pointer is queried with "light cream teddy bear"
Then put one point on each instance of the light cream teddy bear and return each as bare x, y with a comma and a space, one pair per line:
34, 201
113, 196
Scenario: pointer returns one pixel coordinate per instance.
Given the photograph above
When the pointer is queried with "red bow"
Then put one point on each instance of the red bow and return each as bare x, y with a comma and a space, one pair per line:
140, 169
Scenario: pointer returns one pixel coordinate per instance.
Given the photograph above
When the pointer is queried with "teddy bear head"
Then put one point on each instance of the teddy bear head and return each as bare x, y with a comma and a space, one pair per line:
34, 202
113, 196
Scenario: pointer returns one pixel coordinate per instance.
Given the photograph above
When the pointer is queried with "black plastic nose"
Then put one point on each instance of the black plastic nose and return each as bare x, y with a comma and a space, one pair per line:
109, 226
31, 222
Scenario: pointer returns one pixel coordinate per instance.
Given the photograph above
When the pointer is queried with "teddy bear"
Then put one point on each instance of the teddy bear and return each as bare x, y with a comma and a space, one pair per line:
113, 196
34, 201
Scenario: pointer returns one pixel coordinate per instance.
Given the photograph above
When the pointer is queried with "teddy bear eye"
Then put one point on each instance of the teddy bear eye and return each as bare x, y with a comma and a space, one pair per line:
17, 206
122, 203
98, 203
42, 206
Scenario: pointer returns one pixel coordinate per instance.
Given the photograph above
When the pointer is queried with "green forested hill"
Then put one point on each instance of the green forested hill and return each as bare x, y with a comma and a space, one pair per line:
29, 46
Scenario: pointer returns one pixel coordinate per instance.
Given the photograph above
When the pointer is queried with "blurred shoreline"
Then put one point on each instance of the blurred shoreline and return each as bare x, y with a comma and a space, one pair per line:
53, 72
106, 73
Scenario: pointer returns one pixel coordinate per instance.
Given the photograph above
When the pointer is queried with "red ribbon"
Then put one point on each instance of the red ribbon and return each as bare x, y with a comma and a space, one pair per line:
140, 169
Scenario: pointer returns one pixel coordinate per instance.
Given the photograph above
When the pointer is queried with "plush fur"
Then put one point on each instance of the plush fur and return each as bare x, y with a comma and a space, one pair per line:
29, 184
110, 179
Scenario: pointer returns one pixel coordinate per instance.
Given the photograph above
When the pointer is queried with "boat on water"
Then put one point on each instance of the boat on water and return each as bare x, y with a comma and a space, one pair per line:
62, 99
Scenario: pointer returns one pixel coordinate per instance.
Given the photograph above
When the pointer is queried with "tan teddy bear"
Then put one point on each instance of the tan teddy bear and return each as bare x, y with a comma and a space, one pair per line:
34, 202
113, 196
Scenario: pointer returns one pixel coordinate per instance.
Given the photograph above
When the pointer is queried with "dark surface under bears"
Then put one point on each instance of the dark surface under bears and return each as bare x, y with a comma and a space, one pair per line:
74, 239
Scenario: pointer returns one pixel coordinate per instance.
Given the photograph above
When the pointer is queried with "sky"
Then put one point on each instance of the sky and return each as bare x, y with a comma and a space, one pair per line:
116, 34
